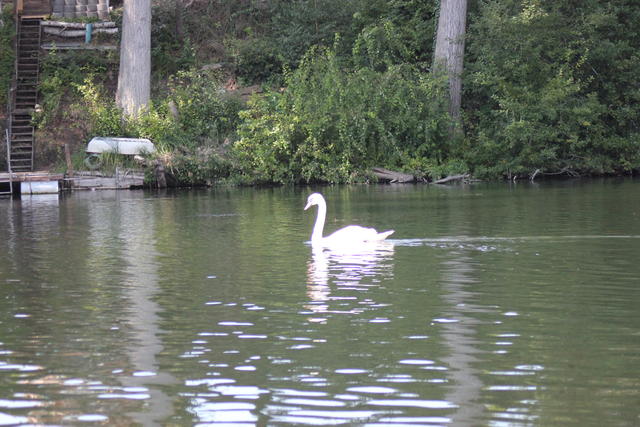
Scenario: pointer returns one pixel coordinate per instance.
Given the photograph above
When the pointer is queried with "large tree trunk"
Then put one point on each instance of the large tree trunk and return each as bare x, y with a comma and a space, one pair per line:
449, 52
134, 86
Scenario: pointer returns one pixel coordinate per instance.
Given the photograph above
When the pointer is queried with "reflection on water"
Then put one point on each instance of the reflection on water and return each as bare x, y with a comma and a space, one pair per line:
459, 333
345, 268
493, 306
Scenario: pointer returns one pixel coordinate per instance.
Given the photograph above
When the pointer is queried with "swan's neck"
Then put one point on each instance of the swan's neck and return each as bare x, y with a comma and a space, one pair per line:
316, 235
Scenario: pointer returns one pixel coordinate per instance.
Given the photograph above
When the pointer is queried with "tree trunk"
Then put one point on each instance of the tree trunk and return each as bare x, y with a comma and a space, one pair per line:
134, 86
449, 52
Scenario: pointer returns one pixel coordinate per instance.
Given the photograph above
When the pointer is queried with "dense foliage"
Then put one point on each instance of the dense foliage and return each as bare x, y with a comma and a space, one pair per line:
332, 124
7, 32
549, 88
553, 87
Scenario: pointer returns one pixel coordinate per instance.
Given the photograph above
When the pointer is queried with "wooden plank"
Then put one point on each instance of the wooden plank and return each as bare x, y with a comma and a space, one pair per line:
30, 176
122, 183
77, 46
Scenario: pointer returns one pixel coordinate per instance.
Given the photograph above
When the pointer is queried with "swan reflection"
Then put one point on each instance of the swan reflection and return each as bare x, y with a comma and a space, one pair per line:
343, 270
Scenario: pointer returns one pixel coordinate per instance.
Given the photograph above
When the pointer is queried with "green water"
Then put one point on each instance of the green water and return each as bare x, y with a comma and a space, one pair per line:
501, 305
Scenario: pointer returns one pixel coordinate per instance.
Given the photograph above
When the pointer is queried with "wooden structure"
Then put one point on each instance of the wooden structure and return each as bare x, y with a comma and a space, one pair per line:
33, 9
62, 8
24, 95
11, 182
119, 180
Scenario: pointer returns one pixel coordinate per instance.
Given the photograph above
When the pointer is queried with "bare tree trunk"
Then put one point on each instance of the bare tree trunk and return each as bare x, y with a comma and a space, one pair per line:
449, 52
134, 78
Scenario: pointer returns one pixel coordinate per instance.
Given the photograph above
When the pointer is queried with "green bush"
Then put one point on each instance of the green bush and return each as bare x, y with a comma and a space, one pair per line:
333, 124
7, 55
192, 144
552, 87
62, 76
206, 115
255, 60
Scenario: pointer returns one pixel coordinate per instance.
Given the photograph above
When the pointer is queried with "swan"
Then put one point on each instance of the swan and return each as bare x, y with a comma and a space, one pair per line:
349, 235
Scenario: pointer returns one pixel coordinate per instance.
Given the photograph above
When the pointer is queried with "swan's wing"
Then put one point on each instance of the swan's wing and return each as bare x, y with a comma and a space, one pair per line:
356, 233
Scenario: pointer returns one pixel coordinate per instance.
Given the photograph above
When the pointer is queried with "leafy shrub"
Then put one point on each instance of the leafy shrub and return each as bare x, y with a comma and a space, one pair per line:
7, 55
169, 53
536, 103
192, 144
255, 60
62, 76
332, 124
206, 115
200, 166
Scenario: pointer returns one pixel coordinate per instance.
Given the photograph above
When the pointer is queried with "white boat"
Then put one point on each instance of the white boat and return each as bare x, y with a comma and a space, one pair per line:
130, 146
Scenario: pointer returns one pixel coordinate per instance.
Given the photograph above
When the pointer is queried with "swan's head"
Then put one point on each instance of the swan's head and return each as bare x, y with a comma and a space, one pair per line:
314, 199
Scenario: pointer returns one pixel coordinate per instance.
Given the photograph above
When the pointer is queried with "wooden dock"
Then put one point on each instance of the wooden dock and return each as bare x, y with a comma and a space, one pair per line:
42, 176
120, 180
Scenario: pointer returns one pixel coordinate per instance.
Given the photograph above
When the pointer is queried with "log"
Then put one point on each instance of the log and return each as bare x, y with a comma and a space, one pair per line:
77, 24
76, 46
393, 176
452, 178
63, 32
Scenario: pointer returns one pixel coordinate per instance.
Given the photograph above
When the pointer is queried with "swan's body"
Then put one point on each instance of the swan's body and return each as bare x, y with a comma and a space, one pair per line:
349, 235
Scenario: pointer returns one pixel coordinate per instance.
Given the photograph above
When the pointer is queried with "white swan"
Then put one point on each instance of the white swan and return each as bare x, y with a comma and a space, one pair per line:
349, 235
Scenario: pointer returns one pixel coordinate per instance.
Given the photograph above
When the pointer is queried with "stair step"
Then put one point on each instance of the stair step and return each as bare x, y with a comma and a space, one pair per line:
21, 155
23, 137
25, 143
22, 150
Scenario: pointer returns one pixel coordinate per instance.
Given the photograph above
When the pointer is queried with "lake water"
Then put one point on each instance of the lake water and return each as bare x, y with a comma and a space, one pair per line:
492, 304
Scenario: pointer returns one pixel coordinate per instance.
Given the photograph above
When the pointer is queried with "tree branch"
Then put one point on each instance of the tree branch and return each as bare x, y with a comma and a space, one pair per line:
450, 178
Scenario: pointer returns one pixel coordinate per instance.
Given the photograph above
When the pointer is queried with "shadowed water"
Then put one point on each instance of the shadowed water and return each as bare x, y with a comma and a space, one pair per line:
491, 305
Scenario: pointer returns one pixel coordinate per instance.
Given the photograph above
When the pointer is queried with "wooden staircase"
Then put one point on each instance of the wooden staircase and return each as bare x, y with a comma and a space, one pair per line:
26, 95
34, 8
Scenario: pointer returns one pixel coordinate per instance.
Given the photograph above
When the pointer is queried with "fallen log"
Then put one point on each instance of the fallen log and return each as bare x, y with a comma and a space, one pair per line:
77, 24
393, 176
63, 32
452, 178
